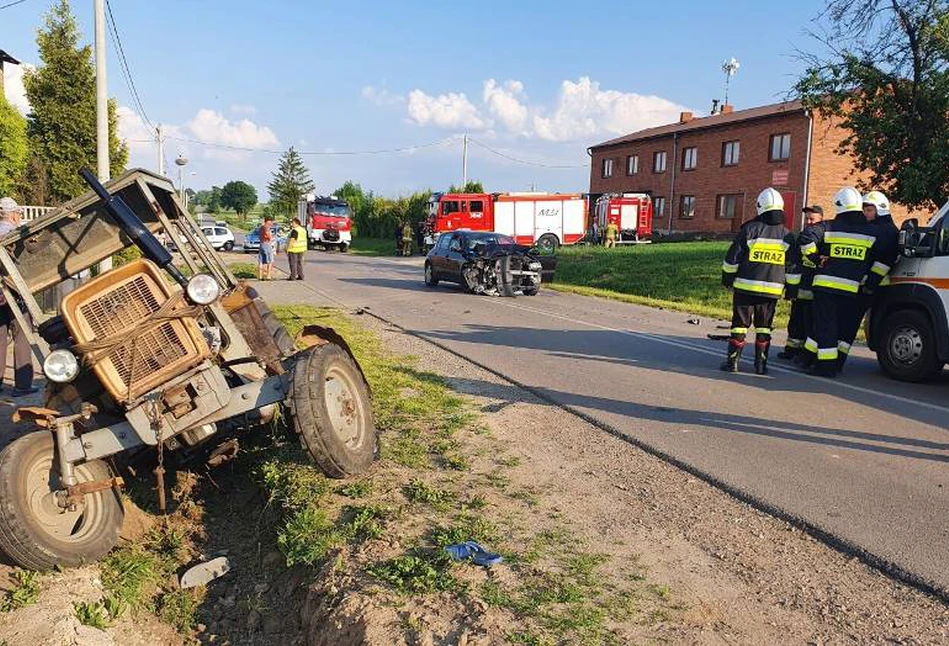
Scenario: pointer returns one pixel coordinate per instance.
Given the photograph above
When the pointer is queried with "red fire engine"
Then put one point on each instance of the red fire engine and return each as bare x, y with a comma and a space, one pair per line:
632, 213
547, 220
328, 221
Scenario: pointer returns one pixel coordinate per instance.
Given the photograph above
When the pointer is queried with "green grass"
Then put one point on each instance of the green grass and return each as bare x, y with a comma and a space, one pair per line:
681, 276
92, 614
243, 269
25, 591
372, 246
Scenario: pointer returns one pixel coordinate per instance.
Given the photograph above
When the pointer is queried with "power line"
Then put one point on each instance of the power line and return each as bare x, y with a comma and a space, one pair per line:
124, 64
383, 151
523, 161
11, 4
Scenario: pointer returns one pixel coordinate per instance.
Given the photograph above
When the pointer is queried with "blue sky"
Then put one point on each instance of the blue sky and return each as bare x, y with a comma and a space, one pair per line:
538, 81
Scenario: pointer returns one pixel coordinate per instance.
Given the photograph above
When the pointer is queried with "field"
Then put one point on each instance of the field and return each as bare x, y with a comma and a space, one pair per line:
684, 276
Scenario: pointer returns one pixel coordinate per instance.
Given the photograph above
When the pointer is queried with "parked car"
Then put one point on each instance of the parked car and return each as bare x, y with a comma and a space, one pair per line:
252, 239
488, 263
220, 237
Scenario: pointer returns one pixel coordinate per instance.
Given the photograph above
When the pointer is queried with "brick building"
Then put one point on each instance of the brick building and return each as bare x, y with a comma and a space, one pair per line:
705, 173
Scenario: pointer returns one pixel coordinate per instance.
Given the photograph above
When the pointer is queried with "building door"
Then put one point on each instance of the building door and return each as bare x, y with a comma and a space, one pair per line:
791, 218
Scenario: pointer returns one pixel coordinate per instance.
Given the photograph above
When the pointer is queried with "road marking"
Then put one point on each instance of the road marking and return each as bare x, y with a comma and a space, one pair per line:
696, 348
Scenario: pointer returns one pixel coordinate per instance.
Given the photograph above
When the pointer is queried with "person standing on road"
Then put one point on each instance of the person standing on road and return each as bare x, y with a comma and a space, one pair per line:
265, 256
612, 231
799, 277
876, 209
843, 251
754, 268
398, 237
296, 249
406, 238
22, 353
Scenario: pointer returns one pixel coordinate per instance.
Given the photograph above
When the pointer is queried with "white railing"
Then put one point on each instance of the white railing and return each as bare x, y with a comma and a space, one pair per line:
32, 212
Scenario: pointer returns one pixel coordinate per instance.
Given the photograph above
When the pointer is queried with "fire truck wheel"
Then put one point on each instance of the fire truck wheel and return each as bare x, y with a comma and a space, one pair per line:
430, 278
343, 247
907, 350
35, 531
530, 291
548, 243
332, 411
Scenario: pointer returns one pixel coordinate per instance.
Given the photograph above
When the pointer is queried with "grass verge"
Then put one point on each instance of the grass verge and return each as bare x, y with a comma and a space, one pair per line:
372, 246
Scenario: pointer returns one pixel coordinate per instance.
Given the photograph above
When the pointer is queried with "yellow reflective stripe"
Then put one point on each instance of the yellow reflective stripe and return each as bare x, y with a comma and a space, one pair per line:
759, 286
810, 264
843, 347
810, 344
880, 268
762, 330
856, 239
729, 268
793, 279
805, 295
885, 281
767, 243
794, 343
826, 354
835, 282
739, 330
809, 248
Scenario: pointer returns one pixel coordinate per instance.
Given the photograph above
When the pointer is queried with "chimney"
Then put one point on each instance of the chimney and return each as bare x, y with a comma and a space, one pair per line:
727, 108
685, 117
714, 106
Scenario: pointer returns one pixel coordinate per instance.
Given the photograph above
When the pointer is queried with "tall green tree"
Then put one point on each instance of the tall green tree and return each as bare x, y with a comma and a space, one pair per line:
62, 96
289, 183
472, 186
240, 196
887, 81
13, 148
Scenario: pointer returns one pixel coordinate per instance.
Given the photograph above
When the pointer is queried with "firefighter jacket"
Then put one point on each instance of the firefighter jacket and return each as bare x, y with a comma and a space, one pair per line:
755, 261
843, 251
888, 241
801, 269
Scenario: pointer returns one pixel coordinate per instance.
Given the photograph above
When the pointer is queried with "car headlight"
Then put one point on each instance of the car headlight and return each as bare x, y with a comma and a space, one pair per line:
203, 289
535, 266
61, 366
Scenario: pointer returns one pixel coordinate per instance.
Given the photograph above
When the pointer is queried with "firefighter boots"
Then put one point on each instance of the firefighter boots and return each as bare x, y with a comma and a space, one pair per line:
788, 353
733, 357
761, 357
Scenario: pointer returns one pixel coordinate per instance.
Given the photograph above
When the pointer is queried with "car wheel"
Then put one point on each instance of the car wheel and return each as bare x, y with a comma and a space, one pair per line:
548, 243
530, 291
430, 278
332, 411
35, 531
343, 247
907, 349
228, 245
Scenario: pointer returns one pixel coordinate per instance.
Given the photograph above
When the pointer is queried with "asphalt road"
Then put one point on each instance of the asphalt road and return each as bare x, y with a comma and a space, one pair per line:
863, 458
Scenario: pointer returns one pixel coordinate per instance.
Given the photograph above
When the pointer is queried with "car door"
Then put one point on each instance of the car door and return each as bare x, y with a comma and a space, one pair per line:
455, 259
209, 234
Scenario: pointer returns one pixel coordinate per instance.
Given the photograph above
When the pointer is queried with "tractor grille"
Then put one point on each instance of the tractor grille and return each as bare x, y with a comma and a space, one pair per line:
119, 301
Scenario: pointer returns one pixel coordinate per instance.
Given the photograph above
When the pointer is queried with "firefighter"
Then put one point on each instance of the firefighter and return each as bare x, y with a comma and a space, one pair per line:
612, 231
876, 210
754, 268
799, 277
406, 238
296, 249
843, 251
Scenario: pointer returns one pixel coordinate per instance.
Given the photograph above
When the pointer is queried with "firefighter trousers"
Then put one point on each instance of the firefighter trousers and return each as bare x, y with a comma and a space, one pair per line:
801, 323
750, 310
853, 317
833, 312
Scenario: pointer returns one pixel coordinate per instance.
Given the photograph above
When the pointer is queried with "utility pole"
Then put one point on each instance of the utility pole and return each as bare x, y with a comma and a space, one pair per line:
102, 106
161, 149
464, 163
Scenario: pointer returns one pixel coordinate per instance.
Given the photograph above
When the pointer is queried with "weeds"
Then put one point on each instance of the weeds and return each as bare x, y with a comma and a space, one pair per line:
179, 608
308, 536
356, 489
417, 573
243, 270
418, 491
92, 614
25, 591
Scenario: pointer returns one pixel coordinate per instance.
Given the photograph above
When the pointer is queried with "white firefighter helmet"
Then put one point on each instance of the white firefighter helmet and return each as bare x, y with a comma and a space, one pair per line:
878, 199
847, 199
769, 200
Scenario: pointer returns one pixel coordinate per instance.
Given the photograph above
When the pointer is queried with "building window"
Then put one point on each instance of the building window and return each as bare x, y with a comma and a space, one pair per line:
730, 153
659, 162
658, 207
607, 168
687, 207
632, 164
780, 147
729, 206
690, 158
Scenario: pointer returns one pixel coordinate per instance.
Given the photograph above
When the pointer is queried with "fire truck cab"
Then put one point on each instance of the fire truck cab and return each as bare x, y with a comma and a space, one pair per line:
328, 221
631, 212
545, 220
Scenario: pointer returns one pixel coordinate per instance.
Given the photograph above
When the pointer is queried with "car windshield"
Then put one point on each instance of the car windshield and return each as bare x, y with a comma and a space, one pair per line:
489, 238
330, 210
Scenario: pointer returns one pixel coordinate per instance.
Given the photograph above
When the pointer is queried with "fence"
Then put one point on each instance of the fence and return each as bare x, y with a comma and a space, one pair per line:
33, 212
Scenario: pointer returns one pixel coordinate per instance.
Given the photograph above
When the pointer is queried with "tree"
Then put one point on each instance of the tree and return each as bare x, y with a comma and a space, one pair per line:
240, 196
887, 82
62, 124
13, 148
473, 186
289, 183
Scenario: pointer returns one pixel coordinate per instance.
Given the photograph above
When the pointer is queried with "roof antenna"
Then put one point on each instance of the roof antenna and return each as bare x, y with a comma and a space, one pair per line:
730, 68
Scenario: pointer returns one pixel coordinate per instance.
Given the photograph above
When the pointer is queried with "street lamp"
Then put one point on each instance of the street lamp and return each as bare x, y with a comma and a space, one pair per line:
729, 67
181, 162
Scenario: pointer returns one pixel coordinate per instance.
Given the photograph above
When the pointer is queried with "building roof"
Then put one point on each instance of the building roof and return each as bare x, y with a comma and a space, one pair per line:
713, 121
6, 58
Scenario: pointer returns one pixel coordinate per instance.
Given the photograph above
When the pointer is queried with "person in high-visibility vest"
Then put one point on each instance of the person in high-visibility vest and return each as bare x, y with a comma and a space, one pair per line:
296, 249
612, 231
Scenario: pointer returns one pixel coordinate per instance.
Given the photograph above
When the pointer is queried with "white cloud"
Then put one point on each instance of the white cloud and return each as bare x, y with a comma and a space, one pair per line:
503, 102
381, 96
584, 110
239, 108
210, 126
452, 110
13, 86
